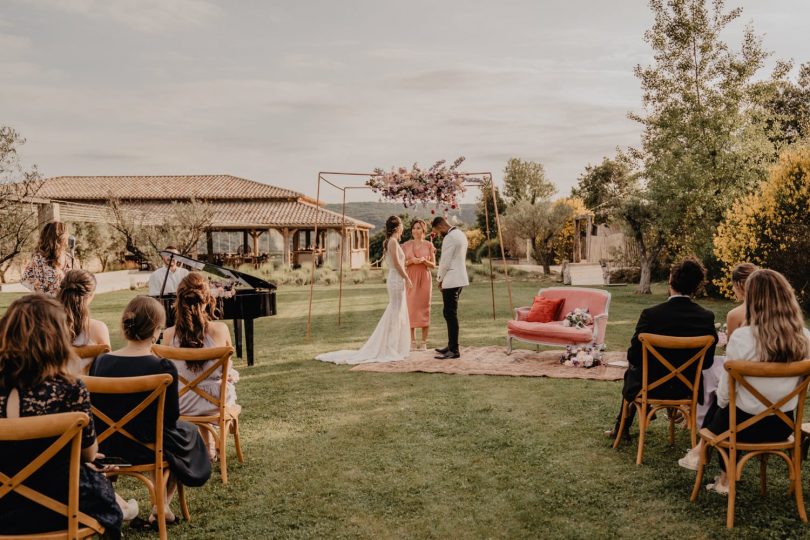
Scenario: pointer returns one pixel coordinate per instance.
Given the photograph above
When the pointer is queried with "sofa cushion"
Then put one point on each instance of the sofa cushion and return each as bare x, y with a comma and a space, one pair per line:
552, 331
545, 310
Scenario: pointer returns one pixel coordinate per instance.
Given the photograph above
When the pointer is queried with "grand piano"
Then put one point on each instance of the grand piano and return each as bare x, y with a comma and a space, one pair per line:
254, 298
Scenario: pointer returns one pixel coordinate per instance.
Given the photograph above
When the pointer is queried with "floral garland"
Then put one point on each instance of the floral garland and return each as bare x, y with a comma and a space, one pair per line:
441, 185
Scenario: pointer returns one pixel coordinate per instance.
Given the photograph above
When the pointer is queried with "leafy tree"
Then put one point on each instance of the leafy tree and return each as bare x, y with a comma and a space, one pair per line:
704, 142
96, 240
771, 227
788, 103
539, 223
603, 188
526, 181
562, 245
483, 224
18, 215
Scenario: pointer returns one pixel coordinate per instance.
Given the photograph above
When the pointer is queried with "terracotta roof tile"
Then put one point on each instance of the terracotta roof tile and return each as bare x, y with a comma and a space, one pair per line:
204, 187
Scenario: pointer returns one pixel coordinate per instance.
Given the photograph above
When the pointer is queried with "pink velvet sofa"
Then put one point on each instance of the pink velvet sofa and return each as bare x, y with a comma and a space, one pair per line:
597, 301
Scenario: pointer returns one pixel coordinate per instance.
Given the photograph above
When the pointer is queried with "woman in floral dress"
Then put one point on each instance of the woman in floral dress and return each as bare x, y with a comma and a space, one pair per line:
47, 267
420, 257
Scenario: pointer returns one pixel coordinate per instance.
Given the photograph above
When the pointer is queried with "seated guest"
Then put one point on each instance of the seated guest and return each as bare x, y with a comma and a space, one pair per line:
774, 332
194, 328
175, 275
679, 316
34, 381
47, 267
736, 317
76, 293
183, 447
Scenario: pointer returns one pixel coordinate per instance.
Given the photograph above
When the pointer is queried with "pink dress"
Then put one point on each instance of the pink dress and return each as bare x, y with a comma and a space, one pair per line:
419, 296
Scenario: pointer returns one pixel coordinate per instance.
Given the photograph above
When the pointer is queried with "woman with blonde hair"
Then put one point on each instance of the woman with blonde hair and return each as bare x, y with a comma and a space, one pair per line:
46, 269
420, 258
76, 293
736, 317
773, 331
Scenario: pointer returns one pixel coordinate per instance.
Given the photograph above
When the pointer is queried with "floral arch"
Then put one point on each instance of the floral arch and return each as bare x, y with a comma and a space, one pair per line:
441, 185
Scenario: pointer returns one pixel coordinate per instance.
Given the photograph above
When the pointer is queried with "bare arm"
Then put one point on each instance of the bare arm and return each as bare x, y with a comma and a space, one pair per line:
392, 256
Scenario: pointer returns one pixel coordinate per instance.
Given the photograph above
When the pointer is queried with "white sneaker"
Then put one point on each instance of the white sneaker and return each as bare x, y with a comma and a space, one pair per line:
717, 487
690, 461
131, 511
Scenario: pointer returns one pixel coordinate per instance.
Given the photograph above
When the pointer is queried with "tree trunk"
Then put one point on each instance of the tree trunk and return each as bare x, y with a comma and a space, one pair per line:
646, 275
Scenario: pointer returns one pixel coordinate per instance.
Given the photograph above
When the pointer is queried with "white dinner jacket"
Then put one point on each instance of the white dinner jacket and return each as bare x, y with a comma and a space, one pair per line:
453, 261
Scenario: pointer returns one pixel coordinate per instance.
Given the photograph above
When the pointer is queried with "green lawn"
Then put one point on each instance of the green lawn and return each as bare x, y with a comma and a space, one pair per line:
335, 453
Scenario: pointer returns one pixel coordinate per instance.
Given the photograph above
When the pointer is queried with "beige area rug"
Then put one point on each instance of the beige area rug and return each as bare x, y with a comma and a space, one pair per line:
494, 361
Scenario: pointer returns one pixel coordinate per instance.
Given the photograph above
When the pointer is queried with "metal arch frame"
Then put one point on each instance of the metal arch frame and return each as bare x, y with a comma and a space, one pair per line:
322, 178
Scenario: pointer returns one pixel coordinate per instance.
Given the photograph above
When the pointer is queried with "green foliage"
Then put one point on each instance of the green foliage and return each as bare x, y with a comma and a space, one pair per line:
604, 187
540, 223
18, 217
481, 214
788, 104
96, 240
771, 228
526, 181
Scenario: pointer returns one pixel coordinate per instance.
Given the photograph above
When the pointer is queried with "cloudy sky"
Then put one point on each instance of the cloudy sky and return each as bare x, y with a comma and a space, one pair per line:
278, 90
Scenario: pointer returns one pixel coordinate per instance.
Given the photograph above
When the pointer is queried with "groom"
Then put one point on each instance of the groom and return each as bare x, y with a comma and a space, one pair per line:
452, 277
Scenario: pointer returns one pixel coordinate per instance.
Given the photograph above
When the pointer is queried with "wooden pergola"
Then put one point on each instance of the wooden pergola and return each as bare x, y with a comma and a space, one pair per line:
470, 179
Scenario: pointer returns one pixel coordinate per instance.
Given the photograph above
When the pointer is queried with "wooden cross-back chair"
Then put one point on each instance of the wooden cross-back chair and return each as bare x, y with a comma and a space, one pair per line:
647, 406
227, 418
156, 386
67, 429
92, 352
728, 446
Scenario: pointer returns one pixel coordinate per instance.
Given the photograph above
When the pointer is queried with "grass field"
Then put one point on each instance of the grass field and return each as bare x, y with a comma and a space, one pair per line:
334, 453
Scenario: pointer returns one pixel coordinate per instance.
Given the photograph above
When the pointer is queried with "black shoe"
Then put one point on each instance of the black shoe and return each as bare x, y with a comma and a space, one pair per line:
449, 355
445, 350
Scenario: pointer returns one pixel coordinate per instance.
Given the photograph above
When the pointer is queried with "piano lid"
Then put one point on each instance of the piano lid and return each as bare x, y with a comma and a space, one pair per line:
246, 280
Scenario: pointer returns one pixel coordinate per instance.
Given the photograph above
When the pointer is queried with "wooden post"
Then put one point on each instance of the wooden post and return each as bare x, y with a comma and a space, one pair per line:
314, 257
489, 249
500, 240
209, 245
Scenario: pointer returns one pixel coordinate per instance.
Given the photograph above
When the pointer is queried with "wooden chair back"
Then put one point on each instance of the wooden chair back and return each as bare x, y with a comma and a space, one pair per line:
221, 359
156, 385
91, 351
651, 343
739, 370
66, 428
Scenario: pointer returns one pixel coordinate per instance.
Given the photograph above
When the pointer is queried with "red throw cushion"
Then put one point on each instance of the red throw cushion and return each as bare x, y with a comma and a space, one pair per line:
545, 310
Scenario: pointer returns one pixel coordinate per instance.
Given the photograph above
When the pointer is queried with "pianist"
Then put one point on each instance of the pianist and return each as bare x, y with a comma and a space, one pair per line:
176, 275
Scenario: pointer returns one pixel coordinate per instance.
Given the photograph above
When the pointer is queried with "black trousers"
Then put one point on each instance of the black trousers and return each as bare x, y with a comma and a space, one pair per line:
450, 299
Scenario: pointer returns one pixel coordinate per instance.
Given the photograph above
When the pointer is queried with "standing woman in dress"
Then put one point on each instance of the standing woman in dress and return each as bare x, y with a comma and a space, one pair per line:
420, 258
48, 264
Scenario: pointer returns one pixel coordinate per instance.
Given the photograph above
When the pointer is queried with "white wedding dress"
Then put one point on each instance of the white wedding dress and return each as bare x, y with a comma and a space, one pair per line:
391, 340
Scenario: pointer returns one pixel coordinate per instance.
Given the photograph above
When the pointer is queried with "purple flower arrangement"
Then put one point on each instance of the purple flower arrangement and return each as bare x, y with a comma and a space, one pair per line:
441, 184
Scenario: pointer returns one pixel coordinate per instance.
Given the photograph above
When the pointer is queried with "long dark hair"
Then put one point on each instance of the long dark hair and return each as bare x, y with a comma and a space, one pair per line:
194, 308
33, 342
52, 241
391, 226
74, 293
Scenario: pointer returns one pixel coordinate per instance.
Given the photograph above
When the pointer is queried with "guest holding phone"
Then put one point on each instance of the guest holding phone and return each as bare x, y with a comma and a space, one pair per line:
45, 271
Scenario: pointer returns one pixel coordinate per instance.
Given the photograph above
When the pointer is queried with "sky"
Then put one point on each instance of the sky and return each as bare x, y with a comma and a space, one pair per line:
276, 91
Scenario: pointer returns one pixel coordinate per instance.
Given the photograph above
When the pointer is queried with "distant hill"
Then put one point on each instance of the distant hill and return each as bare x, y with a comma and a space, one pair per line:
377, 212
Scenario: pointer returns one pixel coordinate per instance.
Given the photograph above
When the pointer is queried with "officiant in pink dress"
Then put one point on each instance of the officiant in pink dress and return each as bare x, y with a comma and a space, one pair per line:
420, 257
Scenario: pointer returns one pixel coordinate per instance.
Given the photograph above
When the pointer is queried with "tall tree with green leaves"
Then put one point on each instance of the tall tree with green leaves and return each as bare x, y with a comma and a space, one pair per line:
603, 188
481, 215
705, 140
526, 181
539, 223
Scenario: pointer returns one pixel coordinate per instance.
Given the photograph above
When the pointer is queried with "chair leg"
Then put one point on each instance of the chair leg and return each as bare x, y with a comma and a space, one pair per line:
622, 423
731, 474
642, 432
237, 443
181, 494
704, 458
508, 345
763, 474
223, 454
671, 413
693, 426
161, 480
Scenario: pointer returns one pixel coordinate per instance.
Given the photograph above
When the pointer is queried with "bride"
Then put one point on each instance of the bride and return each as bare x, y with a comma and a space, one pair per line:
391, 339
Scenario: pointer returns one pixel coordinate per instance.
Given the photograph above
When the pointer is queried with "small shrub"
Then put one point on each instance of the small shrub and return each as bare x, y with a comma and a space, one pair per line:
625, 275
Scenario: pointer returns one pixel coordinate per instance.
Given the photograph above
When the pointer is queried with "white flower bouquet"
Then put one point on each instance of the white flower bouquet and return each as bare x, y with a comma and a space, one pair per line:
579, 318
584, 356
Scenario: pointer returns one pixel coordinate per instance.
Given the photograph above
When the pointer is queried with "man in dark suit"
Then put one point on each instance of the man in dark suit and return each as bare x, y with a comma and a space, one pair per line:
679, 316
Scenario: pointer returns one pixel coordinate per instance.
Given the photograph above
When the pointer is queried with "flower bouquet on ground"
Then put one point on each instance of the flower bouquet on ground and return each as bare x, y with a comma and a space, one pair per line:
584, 356
579, 318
